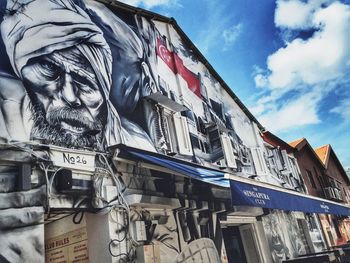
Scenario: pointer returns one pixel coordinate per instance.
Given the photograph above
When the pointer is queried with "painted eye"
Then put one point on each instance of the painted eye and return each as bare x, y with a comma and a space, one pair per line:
83, 84
49, 70
84, 88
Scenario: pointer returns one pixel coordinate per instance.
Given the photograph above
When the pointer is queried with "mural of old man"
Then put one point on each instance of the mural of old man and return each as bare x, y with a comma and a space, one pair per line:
61, 84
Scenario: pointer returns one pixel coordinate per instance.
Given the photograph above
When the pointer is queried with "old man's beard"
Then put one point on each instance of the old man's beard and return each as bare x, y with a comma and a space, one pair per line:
50, 128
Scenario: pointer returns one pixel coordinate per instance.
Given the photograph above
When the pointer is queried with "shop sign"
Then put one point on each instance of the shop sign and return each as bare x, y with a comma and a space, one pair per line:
69, 247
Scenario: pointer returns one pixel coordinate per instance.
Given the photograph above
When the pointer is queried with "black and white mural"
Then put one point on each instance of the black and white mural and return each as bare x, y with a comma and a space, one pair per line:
285, 235
162, 229
83, 75
75, 74
21, 215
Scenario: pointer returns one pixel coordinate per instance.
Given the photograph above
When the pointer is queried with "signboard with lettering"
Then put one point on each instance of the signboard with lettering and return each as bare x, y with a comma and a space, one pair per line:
251, 194
69, 247
73, 159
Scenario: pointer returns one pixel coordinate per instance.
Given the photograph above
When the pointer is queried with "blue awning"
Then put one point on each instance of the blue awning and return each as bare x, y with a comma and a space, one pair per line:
273, 197
191, 170
244, 192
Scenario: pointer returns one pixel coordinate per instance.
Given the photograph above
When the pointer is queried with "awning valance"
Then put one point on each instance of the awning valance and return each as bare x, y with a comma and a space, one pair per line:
185, 168
251, 193
244, 192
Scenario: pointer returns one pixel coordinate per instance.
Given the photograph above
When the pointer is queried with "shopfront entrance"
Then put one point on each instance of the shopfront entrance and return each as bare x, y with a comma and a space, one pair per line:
245, 241
233, 244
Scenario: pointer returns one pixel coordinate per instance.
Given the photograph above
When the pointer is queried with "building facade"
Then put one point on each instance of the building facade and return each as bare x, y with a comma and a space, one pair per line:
120, 143
309, 223
325, 177
336, 187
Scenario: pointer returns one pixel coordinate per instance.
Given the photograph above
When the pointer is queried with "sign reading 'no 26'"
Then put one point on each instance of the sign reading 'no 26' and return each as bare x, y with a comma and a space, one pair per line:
73, 159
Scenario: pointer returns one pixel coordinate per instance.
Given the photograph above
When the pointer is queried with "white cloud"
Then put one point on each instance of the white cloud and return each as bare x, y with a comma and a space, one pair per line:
296, 14
231, 34
321, 58
150, 3
303, 66
293, 114
343, 109
260, 80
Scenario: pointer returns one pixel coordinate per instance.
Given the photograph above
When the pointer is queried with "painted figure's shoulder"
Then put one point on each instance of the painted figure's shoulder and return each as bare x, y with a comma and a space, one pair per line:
15, 116
11, 88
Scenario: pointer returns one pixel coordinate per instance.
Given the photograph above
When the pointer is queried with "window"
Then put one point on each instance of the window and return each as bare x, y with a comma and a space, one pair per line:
336, 226
311, 179
168, 130
319, 178
259, 161
214, 138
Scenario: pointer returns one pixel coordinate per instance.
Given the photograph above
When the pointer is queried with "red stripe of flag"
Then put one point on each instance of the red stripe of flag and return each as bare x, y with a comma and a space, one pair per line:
176, 65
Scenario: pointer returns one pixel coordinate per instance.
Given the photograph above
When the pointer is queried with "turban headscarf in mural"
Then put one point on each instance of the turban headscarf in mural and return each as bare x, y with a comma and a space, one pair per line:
134, 77
40, 27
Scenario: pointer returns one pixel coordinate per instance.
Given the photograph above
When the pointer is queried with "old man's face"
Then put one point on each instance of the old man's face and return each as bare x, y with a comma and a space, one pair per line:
68, 104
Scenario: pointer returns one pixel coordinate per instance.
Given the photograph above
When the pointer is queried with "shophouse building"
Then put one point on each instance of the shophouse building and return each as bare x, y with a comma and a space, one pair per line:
336, 187
121, 143
327, 181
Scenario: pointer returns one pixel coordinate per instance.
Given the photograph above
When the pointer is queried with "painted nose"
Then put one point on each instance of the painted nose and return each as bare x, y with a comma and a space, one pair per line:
69, 92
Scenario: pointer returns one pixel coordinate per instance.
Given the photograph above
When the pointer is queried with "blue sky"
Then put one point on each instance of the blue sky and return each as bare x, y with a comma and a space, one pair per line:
287, 60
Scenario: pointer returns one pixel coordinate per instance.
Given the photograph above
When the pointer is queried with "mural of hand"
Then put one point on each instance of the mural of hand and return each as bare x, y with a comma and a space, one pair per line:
202, 250
13, 105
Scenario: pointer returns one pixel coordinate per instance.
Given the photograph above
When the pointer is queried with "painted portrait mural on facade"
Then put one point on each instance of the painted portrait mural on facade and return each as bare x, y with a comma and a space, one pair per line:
62, 82
77, 75
83, 75
285, 236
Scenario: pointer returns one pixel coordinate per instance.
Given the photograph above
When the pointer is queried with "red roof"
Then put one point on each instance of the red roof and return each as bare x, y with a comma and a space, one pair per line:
301, 143
276, 141
323, 153
296, 143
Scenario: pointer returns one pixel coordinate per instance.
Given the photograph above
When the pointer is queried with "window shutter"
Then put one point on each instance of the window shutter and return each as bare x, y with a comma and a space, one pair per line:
228, 151
259, 161
277, 157
286, 160
182, 135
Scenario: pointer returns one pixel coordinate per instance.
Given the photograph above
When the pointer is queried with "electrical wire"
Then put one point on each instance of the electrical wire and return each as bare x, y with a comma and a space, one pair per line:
119, 203
75, 216
117, 182
125, 229
46, 171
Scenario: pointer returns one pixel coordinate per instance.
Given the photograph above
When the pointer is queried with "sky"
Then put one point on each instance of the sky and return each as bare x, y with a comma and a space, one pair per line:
287, 60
